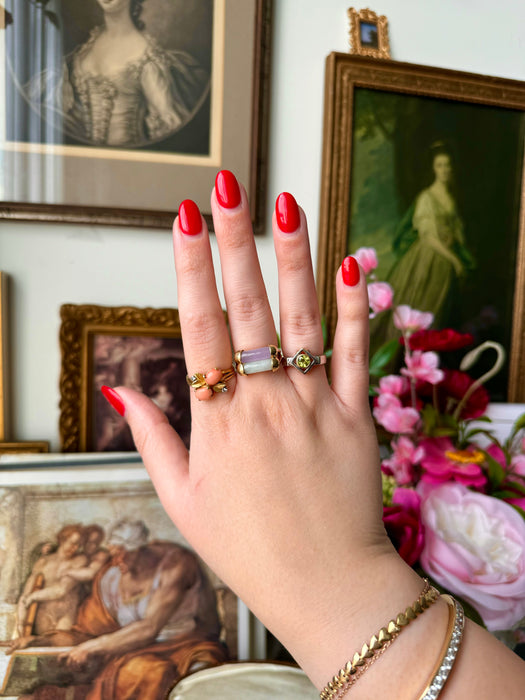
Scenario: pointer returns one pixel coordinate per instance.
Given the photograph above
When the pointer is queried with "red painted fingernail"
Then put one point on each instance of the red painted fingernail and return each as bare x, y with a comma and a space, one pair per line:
287, 211
190, 219
351, 272
114, 399
227, 190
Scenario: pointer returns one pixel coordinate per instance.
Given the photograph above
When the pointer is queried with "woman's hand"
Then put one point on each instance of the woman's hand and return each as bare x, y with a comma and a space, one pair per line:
281, 490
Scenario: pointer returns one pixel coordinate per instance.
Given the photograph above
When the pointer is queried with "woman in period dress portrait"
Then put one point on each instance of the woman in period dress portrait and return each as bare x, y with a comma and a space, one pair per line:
121, 87
430, 245
431, 256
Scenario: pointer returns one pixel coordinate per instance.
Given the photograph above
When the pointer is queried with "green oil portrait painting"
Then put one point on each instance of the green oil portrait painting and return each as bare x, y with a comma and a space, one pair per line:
435, 188
425, 165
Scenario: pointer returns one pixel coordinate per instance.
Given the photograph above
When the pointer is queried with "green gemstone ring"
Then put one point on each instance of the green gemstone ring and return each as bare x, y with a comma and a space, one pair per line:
304, 360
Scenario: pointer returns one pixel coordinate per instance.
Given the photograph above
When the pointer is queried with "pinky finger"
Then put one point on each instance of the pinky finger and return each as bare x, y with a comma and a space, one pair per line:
350, 378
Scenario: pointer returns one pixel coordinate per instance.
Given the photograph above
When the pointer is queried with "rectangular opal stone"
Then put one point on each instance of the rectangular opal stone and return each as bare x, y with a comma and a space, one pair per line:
257, 366
255, 355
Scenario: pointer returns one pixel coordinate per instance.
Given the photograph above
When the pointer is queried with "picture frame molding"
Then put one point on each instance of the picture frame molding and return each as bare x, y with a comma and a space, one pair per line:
4, 359
344, 73
356, 17
69, 473
131, 217
78, 324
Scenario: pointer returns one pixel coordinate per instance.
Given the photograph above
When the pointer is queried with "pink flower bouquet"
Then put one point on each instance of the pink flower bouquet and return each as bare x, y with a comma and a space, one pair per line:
453, 494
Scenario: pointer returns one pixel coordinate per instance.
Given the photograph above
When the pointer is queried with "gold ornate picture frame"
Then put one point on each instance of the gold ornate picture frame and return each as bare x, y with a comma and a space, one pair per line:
24, 447
124, 345
368, 33
380, 121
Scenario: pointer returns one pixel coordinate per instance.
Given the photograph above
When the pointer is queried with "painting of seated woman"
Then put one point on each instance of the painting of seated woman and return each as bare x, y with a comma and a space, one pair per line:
130, 73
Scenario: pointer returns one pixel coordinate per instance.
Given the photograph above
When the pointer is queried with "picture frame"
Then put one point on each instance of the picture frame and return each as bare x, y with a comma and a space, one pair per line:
44, 495
372, 174
4, 358
368, 33
24, 447
58, 166
124, 345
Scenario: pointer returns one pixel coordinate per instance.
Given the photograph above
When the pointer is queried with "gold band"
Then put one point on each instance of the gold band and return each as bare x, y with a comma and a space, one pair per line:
386, 635
213, 382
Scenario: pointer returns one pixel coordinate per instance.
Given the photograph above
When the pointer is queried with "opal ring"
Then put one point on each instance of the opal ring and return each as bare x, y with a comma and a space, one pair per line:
265, 359
304, 360
212, 382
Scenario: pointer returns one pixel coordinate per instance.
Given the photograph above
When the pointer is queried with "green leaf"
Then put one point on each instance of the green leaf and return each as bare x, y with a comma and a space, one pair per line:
496, 472
520, 488
478, 431
504, 494
518, 425
444, 432
384, 354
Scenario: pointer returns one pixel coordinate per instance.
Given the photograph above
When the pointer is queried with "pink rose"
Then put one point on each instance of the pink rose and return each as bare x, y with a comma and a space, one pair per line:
410, 320
367, 258
403, 524
423, 366
475, 547
380, 297
391, 415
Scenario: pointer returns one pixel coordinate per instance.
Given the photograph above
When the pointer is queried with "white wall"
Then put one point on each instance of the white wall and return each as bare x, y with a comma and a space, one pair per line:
54, 264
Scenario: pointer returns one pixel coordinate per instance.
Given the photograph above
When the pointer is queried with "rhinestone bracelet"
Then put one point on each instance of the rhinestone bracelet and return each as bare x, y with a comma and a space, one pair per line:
441, 671
363, 659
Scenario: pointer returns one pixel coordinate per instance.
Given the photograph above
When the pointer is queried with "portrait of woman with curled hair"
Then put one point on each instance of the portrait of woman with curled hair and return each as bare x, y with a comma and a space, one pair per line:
122, 87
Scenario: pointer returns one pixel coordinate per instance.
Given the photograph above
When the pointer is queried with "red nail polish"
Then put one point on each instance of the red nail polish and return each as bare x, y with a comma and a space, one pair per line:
190, 219
287, 211
227, 190
351, 272
114, 399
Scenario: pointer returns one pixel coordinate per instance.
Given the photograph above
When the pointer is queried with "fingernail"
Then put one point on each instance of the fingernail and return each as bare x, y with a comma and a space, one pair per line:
190, 219
287, 211
351, 273
227, 190
114, 399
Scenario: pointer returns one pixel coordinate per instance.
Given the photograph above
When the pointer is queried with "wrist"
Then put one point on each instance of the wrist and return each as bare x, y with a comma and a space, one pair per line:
355, 605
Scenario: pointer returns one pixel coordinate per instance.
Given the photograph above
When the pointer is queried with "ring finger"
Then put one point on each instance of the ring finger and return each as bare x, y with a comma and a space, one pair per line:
301, 333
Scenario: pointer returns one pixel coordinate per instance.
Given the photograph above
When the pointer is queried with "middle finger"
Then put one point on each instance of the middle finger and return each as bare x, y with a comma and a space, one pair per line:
249, 313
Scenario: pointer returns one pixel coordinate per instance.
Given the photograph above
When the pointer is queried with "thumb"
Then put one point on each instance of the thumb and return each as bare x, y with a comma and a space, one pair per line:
163, 452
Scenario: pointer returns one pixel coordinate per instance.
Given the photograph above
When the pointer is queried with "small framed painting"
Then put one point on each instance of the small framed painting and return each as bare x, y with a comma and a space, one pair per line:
368, 33
107, 345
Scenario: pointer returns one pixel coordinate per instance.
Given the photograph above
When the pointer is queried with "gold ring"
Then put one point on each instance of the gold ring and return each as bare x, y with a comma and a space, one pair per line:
212, 382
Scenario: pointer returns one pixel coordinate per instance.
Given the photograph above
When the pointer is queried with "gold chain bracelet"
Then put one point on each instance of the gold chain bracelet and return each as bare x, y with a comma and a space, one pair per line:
369, 652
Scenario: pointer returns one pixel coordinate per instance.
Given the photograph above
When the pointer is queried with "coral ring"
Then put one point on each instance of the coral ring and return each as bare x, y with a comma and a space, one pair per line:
213, 382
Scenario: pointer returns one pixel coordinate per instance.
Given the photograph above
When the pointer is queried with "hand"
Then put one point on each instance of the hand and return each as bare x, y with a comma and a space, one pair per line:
79, 656
19, 643
281, 491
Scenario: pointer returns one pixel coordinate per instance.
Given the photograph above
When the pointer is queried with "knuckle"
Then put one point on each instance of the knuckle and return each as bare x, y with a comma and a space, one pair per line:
358, 359
301, 321
202, 330
247, 307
